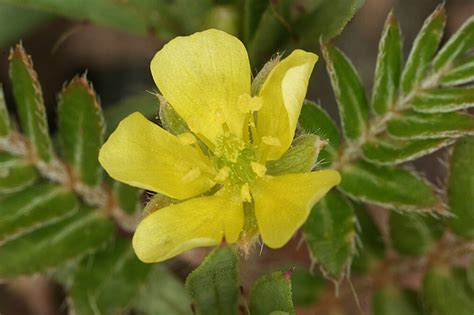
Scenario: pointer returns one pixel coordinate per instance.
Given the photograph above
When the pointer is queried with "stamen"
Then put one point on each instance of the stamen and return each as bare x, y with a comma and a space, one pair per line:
245, 193
258, 169
247, 103
192, 175
187, 138
222, 174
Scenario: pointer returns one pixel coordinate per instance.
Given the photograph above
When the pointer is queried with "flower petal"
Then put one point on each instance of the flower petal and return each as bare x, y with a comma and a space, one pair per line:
202, 77
283, 203
144, 155
283, 94
194, 223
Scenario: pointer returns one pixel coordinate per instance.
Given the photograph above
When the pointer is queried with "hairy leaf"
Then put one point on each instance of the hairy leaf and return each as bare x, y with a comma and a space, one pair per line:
445, 294
107, 281
271, 294
34, 207
444, 100
349, 92
461, 73
29, 102
424, 48
214, 285
15, 173
388, 67
413, 233
372, 246
461, 187
81, 130
53, 244
389, 151
330, 234
388, 186
457, 45
162, 293
413, 125
391, 301
4, 118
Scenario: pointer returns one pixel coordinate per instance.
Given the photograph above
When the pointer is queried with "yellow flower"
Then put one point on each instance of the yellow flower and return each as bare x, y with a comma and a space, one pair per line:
206, 77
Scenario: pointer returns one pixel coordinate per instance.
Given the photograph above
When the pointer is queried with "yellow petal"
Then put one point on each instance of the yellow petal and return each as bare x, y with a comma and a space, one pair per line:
283, 94
202, 77
144, 155
283, 203
194, 223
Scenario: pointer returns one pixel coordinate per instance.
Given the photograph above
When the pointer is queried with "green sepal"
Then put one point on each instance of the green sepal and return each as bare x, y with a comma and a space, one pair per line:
330, 234
214, 285
301, 157
262, 75
271, 294
170, 119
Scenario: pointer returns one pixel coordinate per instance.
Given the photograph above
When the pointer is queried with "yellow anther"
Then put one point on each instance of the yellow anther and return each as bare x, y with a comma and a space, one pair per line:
258, 169
222, 175
192, 175
247, 103
187, 138
271, 141
245, 193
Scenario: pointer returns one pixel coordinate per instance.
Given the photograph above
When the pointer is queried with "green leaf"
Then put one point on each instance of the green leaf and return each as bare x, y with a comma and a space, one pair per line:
253, 11
81, 130
15, 173
4, 118
461, 187
413, 234
34, 207
162, 294
326, 20
389, 151
128, 197
461, 73
349, 92
391, 301
307, 287
388, 67
372, 246
29, 102
143, 102
54, 244
443, 100
445, 294
424, 48
106, 282
271, 294
18, 21
300, 158
388, 186
330, 234
214, 285
456, 46
413, 125
272, 30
